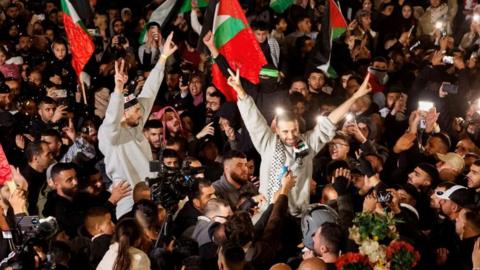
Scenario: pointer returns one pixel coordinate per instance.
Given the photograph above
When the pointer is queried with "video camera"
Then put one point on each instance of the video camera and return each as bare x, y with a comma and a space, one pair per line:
171, 184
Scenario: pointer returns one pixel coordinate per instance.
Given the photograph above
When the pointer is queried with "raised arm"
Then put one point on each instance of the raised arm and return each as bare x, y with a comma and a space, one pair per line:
110, 127
154, 80
260, 132
340, 112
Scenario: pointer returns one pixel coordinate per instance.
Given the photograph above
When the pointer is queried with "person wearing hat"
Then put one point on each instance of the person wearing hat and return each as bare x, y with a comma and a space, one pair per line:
121, 139
455, 199
450, 167
467, 227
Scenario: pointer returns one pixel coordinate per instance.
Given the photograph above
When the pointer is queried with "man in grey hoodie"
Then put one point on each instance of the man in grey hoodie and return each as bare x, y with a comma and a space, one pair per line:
121, 139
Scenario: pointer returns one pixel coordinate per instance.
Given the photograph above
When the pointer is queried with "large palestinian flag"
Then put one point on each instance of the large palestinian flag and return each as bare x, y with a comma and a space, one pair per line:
236, 42
333, 26
81, 45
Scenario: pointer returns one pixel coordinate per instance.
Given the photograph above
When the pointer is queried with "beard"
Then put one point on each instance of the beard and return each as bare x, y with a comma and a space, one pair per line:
239, 179
69, 191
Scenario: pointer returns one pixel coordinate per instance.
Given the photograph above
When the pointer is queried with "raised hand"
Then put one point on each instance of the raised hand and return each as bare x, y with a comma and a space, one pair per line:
207, 130
210, 43
70, 130
364, 89
235, 83
121, 77
59, 113
119, 191
169, 47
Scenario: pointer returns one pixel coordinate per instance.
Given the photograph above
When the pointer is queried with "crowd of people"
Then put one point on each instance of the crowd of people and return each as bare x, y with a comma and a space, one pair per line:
143, 164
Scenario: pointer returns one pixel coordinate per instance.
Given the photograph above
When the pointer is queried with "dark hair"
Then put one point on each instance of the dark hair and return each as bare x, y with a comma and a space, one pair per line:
127, 232
233, 154
259, 25
33, 149
193, 263
51, 133
332, 234
195, 190
473, 220
60, 167
301, 17
94, 217
148, 212
169, 153
342, 136
61, 252
154, 123
444, 138
296, 97
239, 228
47, 100
233, 254
183, 248
278, 19
60, 41
380, 59
477, 162
218, 94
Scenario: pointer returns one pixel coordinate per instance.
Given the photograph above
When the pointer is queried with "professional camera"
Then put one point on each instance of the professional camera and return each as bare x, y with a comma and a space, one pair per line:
32, 231
171, 184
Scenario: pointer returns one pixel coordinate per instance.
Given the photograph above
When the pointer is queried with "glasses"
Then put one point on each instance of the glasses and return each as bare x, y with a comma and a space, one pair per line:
336, 145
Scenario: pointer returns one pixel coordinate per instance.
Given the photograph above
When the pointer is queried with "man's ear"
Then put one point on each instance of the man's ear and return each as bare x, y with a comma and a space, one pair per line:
51, 183
196, 203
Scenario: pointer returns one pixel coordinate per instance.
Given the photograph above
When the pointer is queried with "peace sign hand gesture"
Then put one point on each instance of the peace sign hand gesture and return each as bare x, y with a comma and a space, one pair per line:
121, 76
235, 83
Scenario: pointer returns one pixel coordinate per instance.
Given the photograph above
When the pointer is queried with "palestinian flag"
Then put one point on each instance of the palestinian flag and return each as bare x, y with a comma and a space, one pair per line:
333, 26
279, 6
187, 5
163, 14
236, 42
81, 45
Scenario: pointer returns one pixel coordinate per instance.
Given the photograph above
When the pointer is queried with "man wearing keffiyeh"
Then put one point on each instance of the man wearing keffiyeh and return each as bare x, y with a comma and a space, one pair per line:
286, 146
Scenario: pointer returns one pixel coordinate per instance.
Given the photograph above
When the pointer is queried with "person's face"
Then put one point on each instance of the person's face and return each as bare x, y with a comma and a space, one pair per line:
282, 25
392, 98
3, 58
375, 162
318, 246
407, 12
172, 81
171, 162
434, 146
305, 25
107, 227
96, 183
207, 193
195, 86
404, 197
133, 115
367, 5
14, 87
434, 200
460, 223
464, 146
380, 65
13, 31
261, 35
66, 182
154, 137
5, 101
118, 27
213, 104
447, 207
54, 144
50, 34
250, 168
388, 10
364, 129
12, 12
238, 170
288, 132
435, 3
49, 7
300, 87
365, 22
46, 111
113, 13
344, 80
419, 178
473, 177
60, 51
338, 149
44, 159
187, 123
352, 87
172, 122
25, 43
299, 109
308, 46
316, 81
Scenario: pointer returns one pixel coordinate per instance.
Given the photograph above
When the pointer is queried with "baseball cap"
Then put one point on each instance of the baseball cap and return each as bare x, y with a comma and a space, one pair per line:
457, 194
453, 159
130, 100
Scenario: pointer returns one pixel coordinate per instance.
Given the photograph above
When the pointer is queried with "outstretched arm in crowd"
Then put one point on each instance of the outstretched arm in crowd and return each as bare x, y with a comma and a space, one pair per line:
258, 128
150, 90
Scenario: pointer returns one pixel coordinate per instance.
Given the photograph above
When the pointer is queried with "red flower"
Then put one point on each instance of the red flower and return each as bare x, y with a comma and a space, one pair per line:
353, 259
402, 254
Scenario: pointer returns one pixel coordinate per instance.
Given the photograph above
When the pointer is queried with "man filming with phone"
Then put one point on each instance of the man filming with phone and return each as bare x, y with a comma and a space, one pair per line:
286, 147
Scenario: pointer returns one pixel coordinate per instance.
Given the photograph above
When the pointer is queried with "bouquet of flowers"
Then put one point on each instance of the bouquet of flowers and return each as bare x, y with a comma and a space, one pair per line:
372, 232
353, 261
402, 255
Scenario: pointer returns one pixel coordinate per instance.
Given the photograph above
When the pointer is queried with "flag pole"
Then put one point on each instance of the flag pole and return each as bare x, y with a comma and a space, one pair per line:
82, 86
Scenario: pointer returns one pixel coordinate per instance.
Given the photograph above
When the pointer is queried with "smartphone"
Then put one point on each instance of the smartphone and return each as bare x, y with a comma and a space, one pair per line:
450, 88
60, 93
425, 106
447, 60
